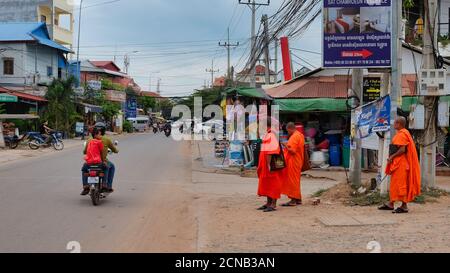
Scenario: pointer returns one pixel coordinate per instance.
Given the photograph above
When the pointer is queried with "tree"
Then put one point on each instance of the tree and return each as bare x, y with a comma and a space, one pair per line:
146, 103
110, 109
61, 111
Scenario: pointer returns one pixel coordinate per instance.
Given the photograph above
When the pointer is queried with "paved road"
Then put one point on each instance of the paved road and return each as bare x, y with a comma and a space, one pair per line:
41, 209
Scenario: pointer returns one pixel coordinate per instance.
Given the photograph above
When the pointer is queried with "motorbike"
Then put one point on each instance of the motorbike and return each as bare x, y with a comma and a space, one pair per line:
167, 129
37, 141
155, 128
96, 180
11, 141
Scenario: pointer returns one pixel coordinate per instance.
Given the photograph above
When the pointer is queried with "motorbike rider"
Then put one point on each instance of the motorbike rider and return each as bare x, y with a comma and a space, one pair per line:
110, 167
46, 131
94, 149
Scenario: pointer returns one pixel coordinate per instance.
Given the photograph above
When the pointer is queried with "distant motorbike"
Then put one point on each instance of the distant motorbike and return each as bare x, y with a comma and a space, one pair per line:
155, 128
37, 141
167, 129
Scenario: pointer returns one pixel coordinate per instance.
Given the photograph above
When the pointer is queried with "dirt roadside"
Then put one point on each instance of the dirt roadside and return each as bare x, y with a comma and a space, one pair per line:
229, 222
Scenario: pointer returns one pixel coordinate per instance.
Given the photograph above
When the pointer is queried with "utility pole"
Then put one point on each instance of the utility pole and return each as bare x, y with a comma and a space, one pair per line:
265, 21
253, 7
276, 60
158, 90
428, 146
395, 91
228, 45
78, 48
356, 150
212, 71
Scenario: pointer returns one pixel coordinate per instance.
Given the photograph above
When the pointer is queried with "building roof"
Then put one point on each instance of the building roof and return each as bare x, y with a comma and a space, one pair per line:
106, 65
21, 95
149, 94
260, 71
28, 32
335, 86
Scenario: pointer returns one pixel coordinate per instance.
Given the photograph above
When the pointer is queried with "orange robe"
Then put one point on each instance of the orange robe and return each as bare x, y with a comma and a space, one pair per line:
269, 184
404, 170
294, 162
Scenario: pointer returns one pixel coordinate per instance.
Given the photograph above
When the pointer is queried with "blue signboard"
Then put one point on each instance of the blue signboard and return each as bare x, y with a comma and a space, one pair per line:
357, 33
374, 117
131, 108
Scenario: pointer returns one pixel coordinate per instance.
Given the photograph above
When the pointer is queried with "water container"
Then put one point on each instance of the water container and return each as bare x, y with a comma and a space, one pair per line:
236, 153
346, 152
334, 139
335, 155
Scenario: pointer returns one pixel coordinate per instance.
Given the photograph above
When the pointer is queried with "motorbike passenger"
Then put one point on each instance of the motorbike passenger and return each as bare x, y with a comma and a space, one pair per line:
93, 156
110, 167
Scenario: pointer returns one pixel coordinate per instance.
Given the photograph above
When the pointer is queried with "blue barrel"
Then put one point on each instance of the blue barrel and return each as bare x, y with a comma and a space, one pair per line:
335, 155
334, 139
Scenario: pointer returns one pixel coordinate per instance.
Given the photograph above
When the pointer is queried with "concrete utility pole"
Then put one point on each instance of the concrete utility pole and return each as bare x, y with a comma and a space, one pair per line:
395, 91
383, 143
212, 71
265, 21
253, 7
428, 145
355, 157
228, 45
78, 48
158, 86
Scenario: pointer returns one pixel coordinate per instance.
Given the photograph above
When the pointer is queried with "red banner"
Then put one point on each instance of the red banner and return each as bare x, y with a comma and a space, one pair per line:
286, 55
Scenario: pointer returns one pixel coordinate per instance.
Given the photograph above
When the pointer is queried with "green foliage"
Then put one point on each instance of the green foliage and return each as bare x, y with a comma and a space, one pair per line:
319, 193
373, 198
209, 96
146, 103
61, 111
430, 195
109, 85
110, 109
408, 4
444, 40
127, 126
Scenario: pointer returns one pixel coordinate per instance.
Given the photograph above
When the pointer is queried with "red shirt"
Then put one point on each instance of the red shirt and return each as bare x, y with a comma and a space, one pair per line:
94, 152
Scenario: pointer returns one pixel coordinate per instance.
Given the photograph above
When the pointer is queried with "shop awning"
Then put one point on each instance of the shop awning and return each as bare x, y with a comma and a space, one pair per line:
408, 101
249, 92
311, 105
89, 108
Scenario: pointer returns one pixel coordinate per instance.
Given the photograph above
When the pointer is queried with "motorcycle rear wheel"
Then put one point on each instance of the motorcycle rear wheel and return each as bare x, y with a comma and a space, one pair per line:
95, 197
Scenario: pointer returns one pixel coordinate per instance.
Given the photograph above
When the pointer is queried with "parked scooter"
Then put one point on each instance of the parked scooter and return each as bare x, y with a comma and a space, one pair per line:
11, 141
37, 141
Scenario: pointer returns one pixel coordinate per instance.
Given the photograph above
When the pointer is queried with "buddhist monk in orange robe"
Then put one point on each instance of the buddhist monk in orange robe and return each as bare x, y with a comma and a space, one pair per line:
404, 169
269, 180
294, 154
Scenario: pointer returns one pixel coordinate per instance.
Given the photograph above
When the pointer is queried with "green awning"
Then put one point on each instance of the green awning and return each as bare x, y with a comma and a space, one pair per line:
249, 92
311, 105
408, 101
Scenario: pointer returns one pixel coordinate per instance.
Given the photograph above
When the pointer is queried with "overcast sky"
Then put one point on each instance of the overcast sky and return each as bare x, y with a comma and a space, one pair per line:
176, 39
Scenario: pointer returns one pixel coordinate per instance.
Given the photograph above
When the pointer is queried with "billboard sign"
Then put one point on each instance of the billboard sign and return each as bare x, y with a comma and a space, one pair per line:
371, 89
131, 108
357, 33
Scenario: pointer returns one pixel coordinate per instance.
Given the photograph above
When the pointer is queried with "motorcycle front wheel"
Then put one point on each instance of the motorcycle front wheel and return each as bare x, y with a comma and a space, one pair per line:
34, 144
58, 145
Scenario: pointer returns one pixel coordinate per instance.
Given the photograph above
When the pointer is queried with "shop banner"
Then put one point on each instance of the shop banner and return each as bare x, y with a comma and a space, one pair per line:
357, 33
374, 117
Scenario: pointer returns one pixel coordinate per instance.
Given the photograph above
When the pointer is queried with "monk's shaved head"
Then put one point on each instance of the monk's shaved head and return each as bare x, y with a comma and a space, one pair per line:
290, 125
400, 122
